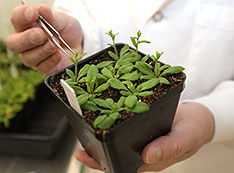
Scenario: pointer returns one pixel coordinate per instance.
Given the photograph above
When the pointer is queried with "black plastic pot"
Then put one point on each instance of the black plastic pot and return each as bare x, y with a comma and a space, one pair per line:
119, 151
37, 130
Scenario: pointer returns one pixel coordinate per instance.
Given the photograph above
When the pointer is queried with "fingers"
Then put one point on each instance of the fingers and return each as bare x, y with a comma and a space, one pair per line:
34, 57
23, 17
49, 65
161, 165
83, 157
31, 38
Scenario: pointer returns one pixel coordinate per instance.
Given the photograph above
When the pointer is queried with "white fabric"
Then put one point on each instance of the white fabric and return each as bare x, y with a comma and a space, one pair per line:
197, 34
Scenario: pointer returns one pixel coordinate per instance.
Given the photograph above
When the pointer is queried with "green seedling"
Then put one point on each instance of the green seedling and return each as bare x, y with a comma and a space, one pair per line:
125, 57
157, 75
74, 60
109, 113
136, 40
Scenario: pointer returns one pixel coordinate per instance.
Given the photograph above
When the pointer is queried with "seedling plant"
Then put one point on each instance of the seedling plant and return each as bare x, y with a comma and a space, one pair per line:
126, 71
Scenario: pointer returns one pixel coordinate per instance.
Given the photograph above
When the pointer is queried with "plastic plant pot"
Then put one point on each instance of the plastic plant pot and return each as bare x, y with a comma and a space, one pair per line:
37, 130
119, 150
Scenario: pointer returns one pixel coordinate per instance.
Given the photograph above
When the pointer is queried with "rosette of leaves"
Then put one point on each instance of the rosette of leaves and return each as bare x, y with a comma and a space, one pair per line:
110, 111
93, 89
157, 75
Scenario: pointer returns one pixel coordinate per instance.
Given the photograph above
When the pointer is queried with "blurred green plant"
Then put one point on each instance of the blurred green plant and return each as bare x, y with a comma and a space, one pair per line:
15, 90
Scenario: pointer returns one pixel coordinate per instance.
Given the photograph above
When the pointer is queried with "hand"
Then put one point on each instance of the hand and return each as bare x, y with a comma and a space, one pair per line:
193, 127
31, 42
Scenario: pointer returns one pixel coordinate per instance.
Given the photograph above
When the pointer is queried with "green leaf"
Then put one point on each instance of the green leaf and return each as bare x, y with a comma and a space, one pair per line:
106, 111
140, 107
101, 88
72, 60
99, 120
122, 62
110, 101
130, 76
130, 85
172, 70
158, 54
79, 90
145, 93
70, 82
106, 72
115, 83
113, 55
104, 64
163, 67
125, 69
145, 58
125, 93
91, 77
83, 71
82, 99
156, 69
114, 115
121, 101
147, 77
81, 56
132, 56
144, 41
163, 80
143, 68
149, 84
70, 74
106, 123
133, 41
90, 106
101, 102
124, 50
101, 78
82, 80
130, 101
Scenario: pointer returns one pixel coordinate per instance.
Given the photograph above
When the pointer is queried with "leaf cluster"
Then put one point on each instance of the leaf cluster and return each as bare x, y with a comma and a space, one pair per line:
14, 92
122, 73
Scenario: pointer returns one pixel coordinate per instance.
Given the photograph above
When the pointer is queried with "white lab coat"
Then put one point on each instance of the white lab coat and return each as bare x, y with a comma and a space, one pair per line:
197, 34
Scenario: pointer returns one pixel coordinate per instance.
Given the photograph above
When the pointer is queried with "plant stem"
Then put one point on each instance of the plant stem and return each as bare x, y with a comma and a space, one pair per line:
76, 71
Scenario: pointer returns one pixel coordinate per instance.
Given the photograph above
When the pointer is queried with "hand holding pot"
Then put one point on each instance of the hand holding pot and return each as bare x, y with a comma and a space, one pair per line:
31, 42
192, 128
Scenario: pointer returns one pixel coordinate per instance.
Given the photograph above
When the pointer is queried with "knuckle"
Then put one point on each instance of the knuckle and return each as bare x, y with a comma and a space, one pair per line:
25, 60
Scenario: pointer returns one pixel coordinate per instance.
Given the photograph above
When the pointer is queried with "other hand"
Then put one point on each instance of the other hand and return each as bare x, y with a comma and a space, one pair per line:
192, 128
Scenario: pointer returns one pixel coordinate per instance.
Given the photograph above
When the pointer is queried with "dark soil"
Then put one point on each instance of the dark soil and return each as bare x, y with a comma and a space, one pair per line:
159, 91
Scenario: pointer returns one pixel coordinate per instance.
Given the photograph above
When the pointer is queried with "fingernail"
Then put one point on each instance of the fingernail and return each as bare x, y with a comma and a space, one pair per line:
154, 154
36, 37
49, 47
28, 13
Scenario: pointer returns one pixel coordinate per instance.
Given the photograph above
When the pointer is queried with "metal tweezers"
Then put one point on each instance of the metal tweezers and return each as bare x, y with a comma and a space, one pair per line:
52, 33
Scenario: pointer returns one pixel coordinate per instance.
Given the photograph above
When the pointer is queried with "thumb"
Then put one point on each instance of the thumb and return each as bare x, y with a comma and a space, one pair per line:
165, 148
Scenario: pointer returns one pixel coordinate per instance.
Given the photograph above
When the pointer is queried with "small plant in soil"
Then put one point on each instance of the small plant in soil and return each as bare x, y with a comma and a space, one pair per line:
119, 84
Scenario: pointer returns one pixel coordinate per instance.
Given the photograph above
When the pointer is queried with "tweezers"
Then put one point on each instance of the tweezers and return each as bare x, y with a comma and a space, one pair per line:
52, 33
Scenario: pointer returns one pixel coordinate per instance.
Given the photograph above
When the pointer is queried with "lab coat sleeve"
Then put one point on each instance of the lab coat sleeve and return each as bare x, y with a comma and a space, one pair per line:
221, 104
79, 10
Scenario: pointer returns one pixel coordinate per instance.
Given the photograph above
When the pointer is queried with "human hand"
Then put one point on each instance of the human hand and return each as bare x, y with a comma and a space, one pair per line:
35, 49
193, 127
